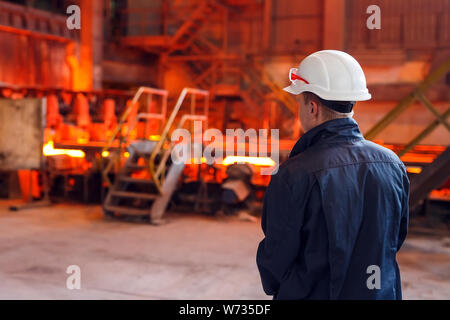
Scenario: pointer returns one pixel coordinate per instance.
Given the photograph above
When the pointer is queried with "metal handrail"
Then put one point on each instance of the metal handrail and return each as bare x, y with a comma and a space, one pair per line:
165, 157
416, 95
123, 118
155, 172
147, 116
408, 100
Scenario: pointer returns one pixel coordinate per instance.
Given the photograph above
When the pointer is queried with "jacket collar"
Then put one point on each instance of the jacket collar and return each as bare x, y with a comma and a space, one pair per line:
332, 131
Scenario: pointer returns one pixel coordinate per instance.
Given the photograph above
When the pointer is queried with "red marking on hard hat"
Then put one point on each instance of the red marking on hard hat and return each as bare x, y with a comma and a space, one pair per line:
297, 77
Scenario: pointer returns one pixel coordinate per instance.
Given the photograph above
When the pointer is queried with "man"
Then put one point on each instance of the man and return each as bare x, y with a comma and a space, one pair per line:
336, 213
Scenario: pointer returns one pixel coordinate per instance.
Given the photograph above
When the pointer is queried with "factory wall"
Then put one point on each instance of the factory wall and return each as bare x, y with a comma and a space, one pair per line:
30, 61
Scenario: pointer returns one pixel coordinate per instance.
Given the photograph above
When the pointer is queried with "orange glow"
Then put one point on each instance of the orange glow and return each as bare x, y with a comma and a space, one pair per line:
414, 169
82, 140
49, 150
195, 161
126, 154
430, 148
414, 157
257, 161
154, 137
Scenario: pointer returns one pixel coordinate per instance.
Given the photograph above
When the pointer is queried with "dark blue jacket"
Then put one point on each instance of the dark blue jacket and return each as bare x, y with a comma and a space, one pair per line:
337, 206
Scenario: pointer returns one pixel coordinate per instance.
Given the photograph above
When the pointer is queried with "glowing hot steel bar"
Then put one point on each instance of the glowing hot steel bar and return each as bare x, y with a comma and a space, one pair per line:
257, 161
49, 150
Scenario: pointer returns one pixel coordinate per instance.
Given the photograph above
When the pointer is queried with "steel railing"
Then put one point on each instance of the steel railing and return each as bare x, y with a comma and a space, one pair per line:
122, 139
156, 172
416, 95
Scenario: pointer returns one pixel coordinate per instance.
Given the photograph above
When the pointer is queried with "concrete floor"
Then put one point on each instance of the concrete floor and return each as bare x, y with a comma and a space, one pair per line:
192, 257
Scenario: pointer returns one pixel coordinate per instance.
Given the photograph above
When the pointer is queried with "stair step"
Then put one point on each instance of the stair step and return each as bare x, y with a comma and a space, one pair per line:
128, 210
139, 195
135, 180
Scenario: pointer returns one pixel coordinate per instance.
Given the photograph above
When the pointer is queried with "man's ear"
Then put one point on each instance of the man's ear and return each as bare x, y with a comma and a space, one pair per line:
313, 108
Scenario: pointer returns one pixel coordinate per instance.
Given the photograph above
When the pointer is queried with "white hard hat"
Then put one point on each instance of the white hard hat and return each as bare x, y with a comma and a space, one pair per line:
330, 74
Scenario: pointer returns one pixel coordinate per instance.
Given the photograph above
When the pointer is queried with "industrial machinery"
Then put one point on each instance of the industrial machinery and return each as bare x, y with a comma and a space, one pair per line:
237, 188
85, 144
148, 177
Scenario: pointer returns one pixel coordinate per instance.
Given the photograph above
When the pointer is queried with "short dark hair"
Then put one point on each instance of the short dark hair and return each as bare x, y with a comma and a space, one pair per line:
339, 106
309, 96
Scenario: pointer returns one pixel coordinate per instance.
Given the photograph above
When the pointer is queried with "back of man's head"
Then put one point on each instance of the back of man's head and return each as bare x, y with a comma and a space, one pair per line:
328, 107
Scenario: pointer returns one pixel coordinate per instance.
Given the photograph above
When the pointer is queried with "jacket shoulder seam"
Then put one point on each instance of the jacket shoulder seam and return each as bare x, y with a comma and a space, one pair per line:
357, 162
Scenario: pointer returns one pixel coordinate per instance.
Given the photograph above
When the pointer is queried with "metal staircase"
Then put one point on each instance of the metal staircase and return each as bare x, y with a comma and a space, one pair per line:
186, 20
147, 179
132, 192
204, 58
257, 72
191, 27
255, 86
